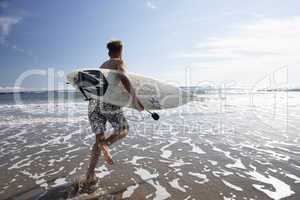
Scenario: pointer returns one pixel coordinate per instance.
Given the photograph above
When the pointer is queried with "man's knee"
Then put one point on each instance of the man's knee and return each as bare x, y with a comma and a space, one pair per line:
100, 138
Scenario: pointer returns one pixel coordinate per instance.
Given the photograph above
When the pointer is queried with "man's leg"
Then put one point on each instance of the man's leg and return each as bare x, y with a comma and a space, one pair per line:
95, 153
120, 125
117, 135
107, 156
98, 125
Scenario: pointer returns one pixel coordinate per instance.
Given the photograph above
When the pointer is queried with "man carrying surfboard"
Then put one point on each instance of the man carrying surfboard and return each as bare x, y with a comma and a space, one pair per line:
100, 112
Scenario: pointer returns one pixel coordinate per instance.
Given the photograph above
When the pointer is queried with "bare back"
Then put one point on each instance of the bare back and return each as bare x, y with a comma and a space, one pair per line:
115, 64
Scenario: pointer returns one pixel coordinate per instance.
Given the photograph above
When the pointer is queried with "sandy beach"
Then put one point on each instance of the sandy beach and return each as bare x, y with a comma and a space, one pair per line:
220, 148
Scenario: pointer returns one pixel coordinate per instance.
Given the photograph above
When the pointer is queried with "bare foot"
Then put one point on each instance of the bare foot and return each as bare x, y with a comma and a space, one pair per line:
106, 154
90, 180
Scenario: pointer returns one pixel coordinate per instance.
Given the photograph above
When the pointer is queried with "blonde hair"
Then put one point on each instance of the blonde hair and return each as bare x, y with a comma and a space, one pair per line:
114, 46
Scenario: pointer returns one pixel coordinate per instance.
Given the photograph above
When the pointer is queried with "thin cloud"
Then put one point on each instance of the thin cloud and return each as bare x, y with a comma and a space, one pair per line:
8, 21
151, 5
266, 38
6, 24
248, 52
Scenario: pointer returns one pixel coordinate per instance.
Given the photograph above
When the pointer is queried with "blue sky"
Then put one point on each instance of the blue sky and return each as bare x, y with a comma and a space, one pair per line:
236, 42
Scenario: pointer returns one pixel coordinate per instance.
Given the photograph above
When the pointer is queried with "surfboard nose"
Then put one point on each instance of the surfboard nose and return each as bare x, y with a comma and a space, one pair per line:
72, 77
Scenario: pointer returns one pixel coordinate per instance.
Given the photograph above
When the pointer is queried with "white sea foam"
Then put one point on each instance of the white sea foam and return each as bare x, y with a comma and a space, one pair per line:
59, 181
232, 186
38, 178
221, 172
102, 171
73, 171
273, 154
144, 174
201, 176
160, 191
174, 183
178, 163
129, 191
237, 164
294, 177
166, 153
282, 190
134, 160
195, 147
22, 163
213, 162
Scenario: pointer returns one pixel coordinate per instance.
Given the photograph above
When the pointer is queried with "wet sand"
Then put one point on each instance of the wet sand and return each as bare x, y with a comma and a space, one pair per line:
202, 151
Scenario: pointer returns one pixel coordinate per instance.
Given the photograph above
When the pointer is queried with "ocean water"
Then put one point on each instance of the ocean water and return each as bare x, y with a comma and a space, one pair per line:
220, 146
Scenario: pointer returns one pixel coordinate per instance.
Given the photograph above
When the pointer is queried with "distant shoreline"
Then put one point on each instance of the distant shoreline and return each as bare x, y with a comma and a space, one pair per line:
35, 91
280, 90
192, 88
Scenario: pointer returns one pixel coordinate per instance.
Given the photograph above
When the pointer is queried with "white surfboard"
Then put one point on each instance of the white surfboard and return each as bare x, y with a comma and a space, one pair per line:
105, 84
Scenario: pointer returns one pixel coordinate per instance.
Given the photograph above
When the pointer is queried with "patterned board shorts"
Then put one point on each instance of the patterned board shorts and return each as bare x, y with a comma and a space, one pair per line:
100, 113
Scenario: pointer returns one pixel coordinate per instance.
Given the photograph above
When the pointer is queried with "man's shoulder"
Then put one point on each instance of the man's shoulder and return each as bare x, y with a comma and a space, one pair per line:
117, 64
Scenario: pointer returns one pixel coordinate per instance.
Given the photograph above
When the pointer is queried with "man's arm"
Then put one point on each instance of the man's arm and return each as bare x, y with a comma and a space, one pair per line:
128, 86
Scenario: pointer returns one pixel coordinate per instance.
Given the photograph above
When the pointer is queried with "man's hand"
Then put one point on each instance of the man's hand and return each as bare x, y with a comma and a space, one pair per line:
138, 104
